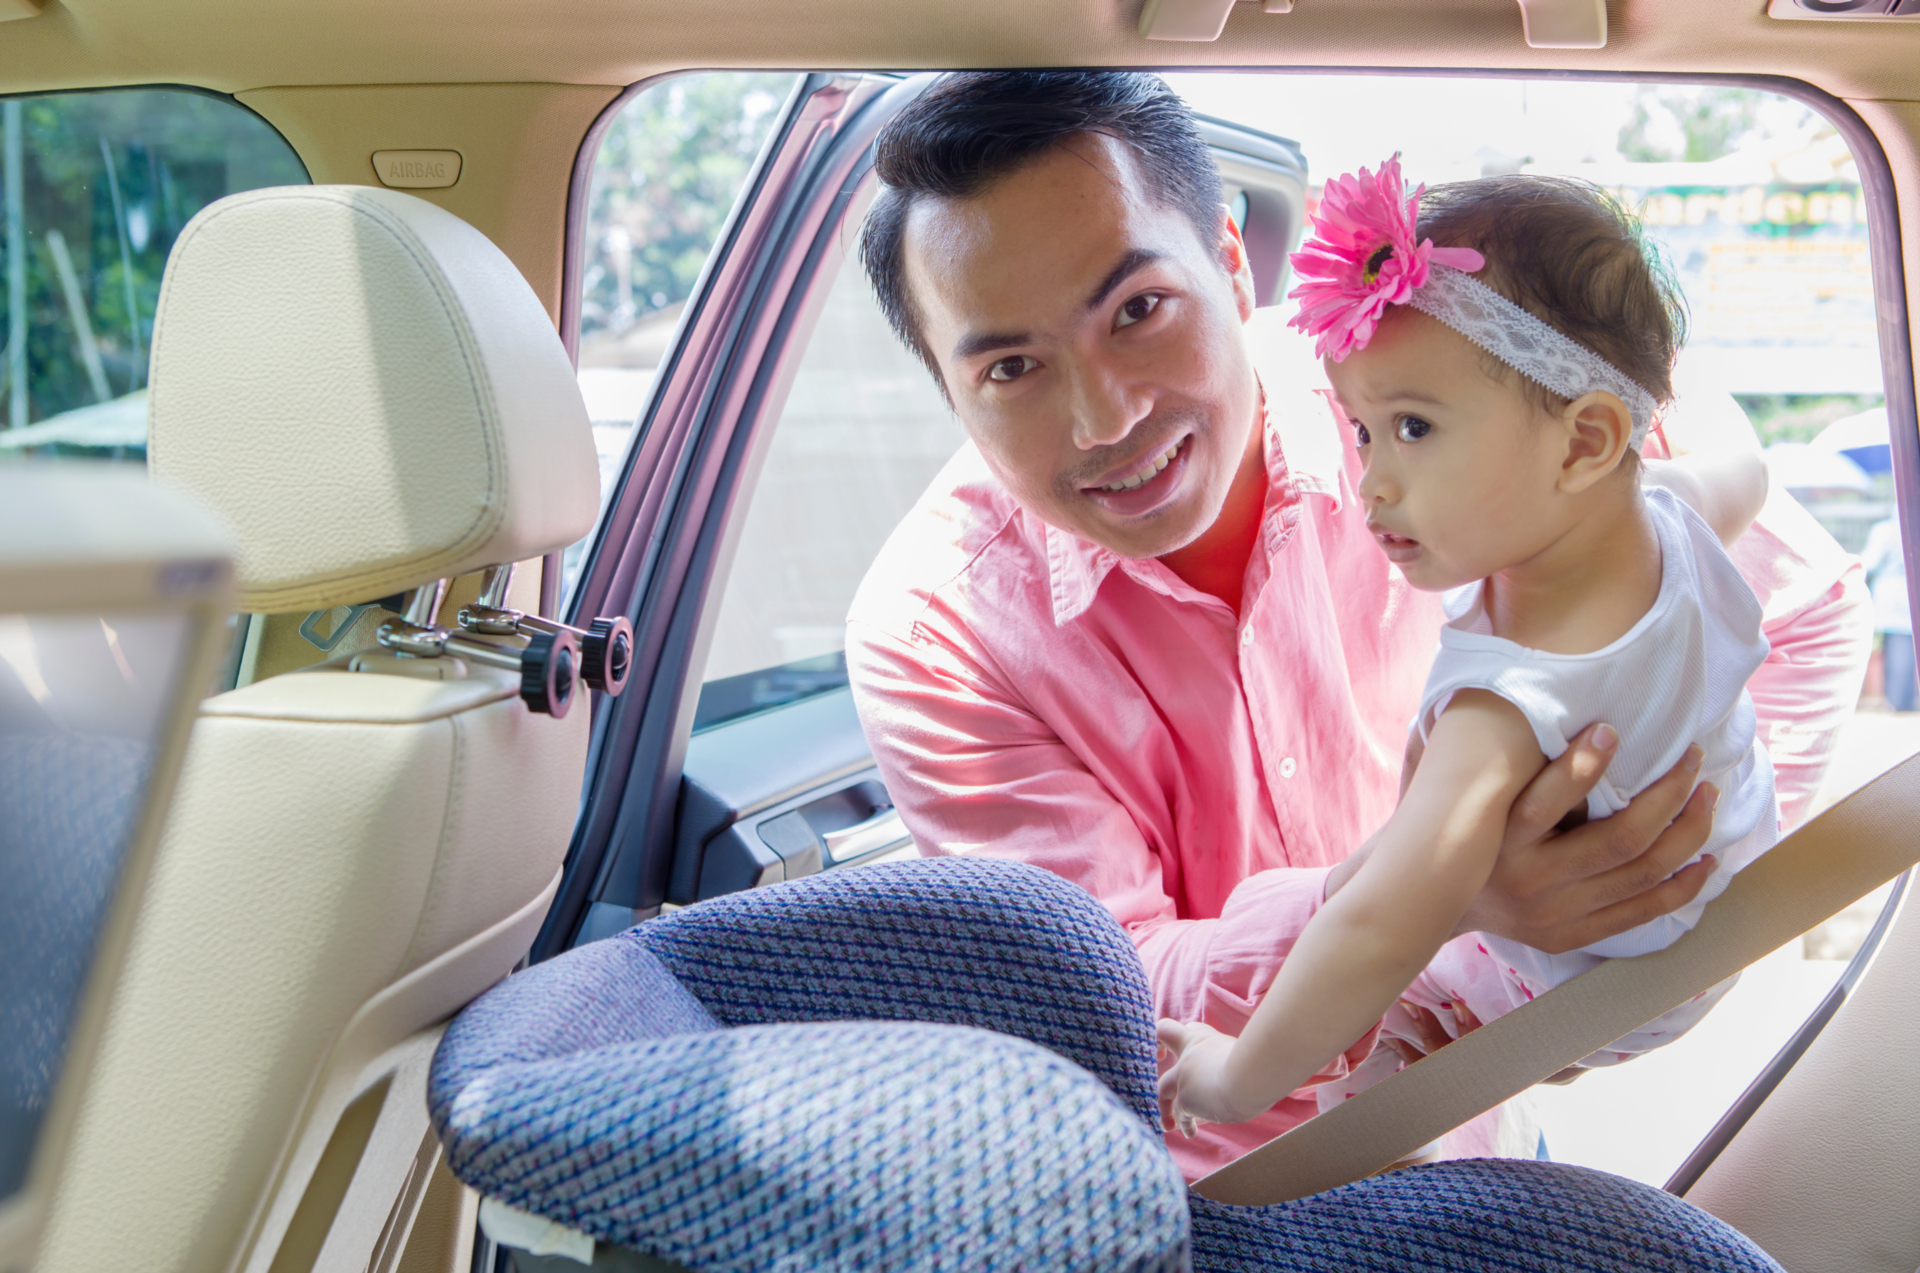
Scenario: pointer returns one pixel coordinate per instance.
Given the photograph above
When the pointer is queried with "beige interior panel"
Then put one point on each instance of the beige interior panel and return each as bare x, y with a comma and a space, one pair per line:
516, 141
442, 1237
603, 42
309, 863
1826, 1177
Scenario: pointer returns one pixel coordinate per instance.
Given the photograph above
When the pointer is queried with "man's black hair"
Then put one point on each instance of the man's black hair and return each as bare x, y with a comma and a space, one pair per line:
974, 127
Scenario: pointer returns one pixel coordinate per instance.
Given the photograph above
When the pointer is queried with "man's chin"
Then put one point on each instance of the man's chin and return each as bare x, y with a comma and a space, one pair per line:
1156, 534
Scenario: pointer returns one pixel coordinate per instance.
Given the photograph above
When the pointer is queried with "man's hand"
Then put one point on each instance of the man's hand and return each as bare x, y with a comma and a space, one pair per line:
1560, 890
1195, 1088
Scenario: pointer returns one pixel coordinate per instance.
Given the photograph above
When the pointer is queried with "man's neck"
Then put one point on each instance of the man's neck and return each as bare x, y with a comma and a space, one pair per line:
1216, 562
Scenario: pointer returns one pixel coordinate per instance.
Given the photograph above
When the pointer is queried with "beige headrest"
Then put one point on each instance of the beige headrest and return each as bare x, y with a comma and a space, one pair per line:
368, 390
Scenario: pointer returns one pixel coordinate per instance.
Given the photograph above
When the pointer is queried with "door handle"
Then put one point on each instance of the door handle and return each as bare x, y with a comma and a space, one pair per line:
883, 830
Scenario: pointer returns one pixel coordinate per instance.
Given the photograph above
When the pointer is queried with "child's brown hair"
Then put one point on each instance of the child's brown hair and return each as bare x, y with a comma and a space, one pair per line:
1569, 254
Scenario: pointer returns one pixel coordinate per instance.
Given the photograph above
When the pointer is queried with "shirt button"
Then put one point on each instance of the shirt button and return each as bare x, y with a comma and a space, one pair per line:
1246, 635
1287, 767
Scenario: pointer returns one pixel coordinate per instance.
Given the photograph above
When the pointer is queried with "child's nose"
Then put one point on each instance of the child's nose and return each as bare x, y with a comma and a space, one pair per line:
1377, 485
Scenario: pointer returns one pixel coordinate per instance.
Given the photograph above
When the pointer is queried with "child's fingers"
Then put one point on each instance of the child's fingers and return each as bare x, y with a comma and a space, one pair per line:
1433, 1035
1167, 1090
1172, 1035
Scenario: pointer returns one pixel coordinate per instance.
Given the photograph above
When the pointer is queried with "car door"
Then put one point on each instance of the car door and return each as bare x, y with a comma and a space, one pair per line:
786, 433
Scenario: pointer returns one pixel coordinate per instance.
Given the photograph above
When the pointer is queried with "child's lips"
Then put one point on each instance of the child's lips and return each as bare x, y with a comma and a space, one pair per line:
1399, 549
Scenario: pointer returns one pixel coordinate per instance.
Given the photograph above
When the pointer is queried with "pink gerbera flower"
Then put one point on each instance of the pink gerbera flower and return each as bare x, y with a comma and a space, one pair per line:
1362, 258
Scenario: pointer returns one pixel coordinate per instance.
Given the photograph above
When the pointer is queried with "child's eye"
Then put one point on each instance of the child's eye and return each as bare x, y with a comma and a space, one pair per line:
1360, 435
1412, 428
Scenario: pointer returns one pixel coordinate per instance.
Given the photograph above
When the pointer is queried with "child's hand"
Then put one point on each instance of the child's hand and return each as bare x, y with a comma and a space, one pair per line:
1195, 1088
1433, 1035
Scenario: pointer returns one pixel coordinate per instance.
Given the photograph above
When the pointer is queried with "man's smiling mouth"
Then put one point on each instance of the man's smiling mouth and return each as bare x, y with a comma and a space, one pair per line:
1147, 471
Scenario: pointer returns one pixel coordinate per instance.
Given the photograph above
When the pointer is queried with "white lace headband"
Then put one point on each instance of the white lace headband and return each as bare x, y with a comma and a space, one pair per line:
1526, 344
1365, 255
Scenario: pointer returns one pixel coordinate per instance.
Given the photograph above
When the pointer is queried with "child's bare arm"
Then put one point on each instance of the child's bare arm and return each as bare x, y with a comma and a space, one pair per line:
1372, 938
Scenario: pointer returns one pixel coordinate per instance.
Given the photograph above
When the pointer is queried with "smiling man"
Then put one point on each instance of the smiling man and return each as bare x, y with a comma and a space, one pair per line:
1138, 633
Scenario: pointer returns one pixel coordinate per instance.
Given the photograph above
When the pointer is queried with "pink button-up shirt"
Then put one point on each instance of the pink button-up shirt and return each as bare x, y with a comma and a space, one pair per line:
1030, 695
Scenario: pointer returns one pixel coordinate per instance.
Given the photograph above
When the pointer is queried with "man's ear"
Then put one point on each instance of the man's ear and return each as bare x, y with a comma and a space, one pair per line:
1599, 433
1233, 258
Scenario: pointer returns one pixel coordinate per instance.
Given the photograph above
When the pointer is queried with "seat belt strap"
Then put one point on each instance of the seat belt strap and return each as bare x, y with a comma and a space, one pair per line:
1809, 876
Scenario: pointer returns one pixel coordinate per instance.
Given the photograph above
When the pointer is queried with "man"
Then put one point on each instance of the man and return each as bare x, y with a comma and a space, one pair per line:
1138, 633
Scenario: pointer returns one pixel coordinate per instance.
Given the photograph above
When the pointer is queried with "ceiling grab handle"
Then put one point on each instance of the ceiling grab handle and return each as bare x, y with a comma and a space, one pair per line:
1564, 24
1193, 20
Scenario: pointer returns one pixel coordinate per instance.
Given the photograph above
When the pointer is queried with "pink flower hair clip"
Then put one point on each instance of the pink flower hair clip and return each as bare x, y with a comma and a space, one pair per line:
1362, 258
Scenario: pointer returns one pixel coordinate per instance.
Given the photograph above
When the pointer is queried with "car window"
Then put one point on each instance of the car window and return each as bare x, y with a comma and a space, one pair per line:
667, 173
96, 188
863, 432
1754, 203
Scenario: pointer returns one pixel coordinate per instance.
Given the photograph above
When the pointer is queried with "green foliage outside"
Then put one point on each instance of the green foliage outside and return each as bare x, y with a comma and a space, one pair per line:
1677, 123
109, 178
667, 175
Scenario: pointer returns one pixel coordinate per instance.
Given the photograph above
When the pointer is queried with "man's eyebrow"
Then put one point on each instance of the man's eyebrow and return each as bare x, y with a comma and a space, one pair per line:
987, 342
1130, 264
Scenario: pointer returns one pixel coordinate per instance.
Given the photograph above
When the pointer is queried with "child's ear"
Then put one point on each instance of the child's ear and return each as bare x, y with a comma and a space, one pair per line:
1599, 433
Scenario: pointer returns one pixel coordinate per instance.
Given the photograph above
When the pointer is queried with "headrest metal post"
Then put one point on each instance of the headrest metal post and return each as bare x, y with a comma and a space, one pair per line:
494, 582
605, 646
423, 604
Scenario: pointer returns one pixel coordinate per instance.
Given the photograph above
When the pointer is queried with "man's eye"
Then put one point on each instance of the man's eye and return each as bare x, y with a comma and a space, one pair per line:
1412, 428
1360, 434
1011, 368
1136, 309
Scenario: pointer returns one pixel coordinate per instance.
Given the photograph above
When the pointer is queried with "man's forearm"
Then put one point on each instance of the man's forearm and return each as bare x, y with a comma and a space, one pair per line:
1215, 970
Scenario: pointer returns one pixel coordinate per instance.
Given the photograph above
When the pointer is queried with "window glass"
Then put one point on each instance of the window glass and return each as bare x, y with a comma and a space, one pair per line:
96, 186
1754, 202
863, 432
667, 174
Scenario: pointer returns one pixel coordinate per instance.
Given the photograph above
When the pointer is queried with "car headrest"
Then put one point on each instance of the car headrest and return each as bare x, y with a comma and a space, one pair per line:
368, 391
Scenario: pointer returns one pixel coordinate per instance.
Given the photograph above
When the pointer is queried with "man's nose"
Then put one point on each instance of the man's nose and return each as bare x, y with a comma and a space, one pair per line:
1106, 407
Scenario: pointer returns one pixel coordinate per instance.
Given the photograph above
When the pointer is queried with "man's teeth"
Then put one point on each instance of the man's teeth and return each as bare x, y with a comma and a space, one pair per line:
1148, 473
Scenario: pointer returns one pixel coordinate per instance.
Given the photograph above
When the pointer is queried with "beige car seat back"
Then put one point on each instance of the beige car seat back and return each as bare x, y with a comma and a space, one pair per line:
368, 391
114, 596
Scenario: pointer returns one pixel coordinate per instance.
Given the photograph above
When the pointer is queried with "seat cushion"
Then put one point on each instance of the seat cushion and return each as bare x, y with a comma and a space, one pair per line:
1474, 1215
593, 1091
967, 941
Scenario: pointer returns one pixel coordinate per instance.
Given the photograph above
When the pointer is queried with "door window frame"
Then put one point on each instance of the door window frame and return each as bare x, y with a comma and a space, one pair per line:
665, 531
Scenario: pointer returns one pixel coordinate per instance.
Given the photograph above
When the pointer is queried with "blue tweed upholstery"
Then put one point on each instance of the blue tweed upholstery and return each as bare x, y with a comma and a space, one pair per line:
966, 941
590, 1089
1474, 1216
848, 1145
67, 808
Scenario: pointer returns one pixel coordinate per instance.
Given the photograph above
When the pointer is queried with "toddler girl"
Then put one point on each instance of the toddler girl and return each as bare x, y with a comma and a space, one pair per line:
1499, 388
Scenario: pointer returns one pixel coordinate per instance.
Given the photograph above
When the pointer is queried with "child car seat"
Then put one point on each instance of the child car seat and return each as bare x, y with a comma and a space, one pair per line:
799, 1077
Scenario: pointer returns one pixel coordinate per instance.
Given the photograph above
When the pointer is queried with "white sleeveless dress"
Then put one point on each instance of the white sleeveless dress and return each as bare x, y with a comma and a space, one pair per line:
1676, 678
